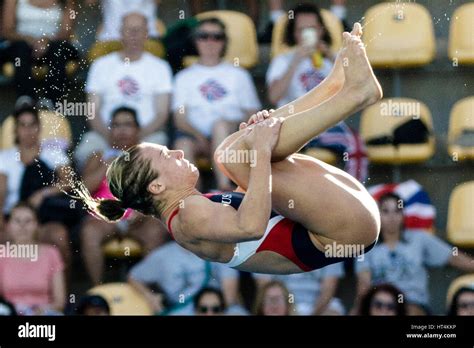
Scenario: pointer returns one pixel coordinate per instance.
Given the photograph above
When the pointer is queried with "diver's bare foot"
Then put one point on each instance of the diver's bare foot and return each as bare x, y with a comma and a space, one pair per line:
359, 76
336, 76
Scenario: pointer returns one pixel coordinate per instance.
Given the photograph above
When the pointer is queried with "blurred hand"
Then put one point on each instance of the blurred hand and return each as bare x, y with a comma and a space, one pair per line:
36, 199
156, 302
301, 53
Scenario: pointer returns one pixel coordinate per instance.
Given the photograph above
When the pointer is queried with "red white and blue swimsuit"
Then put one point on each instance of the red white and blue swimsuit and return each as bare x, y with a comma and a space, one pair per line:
282, 235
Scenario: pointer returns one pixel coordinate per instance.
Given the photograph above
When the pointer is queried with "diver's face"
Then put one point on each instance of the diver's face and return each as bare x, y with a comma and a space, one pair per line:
174, 171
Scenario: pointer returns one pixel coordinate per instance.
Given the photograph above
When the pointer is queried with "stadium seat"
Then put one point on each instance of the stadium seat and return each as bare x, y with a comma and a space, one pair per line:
39, 72
461, 121
322, 155
122, 299
375, 123
458, 283
460, 215
461, 43
154, 47
242, 38
398, 35
333, 24
122, 248
54, 128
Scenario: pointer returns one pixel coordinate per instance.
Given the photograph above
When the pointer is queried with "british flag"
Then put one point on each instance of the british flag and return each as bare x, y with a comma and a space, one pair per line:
347, 143
128, 86
418, 210
310, 79
212, 91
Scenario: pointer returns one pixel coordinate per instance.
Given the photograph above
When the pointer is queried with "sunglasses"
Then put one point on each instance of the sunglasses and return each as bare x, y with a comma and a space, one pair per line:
210, 36
381, 305
213, 309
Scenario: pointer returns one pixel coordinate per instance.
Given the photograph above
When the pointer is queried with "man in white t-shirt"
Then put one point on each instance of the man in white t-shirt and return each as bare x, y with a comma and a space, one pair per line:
130, 77
211, 97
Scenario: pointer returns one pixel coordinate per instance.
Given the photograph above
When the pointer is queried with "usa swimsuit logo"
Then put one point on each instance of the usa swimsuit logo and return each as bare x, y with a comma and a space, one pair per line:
128, 86
212, 91
311, 79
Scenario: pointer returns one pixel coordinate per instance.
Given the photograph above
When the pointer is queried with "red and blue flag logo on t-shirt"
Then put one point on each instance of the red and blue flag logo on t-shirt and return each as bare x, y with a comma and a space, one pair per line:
128, 86
212, 90
310, 79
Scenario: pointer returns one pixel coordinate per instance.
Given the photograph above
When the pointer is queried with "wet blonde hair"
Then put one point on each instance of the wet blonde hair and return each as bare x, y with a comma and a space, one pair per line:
128, 178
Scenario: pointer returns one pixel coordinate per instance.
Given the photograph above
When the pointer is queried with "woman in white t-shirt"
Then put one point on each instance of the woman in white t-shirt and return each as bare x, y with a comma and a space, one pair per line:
296, 72
14, 161
211, 97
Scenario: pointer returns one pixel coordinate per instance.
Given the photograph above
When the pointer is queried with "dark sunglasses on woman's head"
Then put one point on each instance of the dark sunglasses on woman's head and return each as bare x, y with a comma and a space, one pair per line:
213, 309
387, 305
202, 35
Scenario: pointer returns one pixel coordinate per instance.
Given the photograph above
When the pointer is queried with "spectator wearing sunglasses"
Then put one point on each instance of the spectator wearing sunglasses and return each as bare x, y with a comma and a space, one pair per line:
383, 300
463, 302
211, 97
209, 301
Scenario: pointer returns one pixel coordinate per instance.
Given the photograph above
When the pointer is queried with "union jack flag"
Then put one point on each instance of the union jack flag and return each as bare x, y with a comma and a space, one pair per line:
212, 90
418, 210
344, 141
311, 79
128, 86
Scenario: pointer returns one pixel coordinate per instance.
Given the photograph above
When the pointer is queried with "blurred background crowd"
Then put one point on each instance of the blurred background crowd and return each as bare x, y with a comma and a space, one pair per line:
82, 81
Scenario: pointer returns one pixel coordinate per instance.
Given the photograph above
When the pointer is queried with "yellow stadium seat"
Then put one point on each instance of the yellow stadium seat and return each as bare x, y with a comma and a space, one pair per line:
322, 155
122, 299
458, 283
399, 34
461, 40
122, 248
460, 215
381, 118
331, 22
54, 128
102, 48
242, 49
39, 72
462, 118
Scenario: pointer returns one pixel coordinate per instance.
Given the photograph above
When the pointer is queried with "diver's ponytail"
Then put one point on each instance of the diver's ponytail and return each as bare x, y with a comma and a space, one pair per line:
111, 209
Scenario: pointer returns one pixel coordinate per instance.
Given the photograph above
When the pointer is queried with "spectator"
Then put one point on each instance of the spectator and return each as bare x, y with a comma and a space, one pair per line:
401, 258
28, 171
293, 74
124, 133
33, 279
113, 12
209, 302
181, 275
314, 291
93, 305
130, 77
273, 298
211, 97
39, 32
383, 299
462, 302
